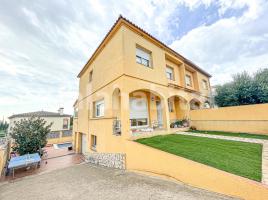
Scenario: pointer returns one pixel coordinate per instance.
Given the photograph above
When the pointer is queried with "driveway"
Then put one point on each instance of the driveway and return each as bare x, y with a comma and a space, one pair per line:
87, 181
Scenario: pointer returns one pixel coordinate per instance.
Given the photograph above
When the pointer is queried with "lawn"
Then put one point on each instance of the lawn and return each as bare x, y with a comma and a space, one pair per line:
244, 135
240, 158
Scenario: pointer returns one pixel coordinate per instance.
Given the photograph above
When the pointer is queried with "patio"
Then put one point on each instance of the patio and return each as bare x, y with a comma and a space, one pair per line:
90, 182
56, 159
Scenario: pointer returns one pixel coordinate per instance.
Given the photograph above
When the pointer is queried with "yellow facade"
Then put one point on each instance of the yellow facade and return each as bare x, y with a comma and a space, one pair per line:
248, 119
116, 77
113, 76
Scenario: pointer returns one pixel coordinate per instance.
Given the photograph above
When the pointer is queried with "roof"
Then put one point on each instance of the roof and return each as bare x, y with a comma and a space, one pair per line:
39, 114
122, 20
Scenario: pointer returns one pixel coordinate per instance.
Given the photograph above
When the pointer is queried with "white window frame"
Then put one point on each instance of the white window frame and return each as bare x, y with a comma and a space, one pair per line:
99, 108
188, 80
143, 57
170, 73
140, 118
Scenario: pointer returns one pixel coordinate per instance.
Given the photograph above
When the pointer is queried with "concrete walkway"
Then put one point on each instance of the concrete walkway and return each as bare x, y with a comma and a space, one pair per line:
87, 181
240, 139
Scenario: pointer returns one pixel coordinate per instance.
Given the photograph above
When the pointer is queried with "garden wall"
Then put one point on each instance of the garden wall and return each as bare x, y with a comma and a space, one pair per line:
143, 158
249, 119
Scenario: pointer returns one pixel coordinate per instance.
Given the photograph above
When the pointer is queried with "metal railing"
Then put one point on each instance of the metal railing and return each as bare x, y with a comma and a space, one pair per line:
55, 134
117, 127
67, 133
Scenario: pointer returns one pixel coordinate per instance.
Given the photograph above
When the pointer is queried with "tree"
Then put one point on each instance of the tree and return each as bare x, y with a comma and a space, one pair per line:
30, 135
261, 82
243, 90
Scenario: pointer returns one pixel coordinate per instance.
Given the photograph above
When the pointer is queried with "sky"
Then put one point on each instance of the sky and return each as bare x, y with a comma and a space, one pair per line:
44, 44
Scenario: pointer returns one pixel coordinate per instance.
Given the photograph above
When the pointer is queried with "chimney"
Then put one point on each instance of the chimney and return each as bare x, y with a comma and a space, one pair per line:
60, 111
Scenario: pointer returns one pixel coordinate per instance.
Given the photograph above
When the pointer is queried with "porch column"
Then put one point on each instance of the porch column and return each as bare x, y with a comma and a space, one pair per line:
166, 114
125, 123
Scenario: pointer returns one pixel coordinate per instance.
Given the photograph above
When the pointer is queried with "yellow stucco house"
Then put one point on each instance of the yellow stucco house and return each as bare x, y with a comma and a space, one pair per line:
60, 130
134, 85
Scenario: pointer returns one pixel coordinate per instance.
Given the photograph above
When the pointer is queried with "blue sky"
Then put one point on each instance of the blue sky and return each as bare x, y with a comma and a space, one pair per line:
44, 44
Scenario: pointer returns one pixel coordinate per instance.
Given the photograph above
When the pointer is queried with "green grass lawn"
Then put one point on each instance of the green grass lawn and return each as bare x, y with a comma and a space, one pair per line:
240, 158
244, 135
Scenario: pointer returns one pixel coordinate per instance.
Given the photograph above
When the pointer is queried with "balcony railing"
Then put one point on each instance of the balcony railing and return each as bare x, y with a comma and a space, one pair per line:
67, 133
117, 127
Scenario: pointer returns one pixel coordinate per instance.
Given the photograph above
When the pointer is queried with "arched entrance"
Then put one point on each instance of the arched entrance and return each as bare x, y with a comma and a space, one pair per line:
146, 110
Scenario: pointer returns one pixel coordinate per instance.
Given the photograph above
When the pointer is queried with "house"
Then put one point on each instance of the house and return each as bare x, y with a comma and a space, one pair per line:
133, 84
60, 129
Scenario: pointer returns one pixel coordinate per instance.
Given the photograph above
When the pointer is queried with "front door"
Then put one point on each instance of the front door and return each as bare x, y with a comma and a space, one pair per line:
159, 113
84, 143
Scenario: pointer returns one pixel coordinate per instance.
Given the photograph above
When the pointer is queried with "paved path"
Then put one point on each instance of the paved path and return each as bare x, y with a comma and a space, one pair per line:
251, 140
86, 181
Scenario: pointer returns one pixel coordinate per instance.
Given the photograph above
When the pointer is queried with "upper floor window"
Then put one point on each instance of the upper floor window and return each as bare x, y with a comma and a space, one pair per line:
143, 57
65, 123
205, 84
99, 108
188, 80
90, 76
170, 73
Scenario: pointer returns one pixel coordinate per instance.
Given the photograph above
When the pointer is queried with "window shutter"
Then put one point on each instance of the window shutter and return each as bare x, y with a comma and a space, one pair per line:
138, 108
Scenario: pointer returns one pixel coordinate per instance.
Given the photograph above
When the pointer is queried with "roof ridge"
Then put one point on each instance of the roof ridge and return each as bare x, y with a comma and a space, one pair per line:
187, 61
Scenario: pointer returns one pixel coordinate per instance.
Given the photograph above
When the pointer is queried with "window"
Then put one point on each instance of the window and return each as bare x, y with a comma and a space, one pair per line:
138, 112
170, 73
170, 106
143, 57
99, 108
205, 84
65, 123
188, 80
139, 122
90, 76
93, 142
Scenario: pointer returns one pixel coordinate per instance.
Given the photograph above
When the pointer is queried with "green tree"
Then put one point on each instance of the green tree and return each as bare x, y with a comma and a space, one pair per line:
30, 135
243, 90
261, 84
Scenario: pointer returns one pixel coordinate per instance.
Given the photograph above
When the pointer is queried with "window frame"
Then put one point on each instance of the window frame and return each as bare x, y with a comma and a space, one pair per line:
90, 76
190, 80
93, 142
142, 61
97, 105
205, 84
65, 126
172, 78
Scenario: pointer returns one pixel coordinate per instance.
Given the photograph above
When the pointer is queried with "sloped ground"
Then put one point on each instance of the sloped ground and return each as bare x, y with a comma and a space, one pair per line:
86, 181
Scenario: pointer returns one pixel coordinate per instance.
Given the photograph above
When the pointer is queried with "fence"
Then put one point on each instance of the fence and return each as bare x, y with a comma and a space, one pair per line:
249, 119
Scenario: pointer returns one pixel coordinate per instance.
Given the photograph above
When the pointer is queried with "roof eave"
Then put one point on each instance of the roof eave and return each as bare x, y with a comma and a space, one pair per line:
113, 29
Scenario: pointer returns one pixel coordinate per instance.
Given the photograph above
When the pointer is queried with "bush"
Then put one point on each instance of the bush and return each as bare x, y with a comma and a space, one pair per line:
30, 135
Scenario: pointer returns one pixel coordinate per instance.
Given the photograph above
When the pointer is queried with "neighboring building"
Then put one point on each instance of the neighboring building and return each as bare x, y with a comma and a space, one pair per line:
134, 84
60, 129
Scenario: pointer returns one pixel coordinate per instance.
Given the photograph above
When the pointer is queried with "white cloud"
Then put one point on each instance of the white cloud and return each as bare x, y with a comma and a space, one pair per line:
44, 44
229, 45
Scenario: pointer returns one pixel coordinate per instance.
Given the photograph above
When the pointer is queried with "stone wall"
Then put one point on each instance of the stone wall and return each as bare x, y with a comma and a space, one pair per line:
112, 160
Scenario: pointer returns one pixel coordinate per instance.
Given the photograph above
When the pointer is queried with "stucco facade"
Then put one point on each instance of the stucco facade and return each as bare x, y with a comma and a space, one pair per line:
60, 128
114, 77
